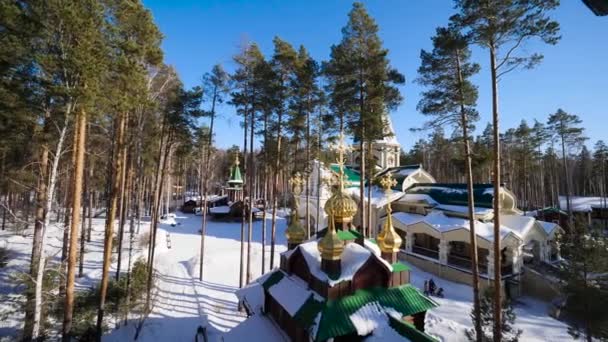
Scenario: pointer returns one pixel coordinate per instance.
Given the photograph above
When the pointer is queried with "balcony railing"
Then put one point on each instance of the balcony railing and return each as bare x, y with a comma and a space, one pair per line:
466, 263
431, 253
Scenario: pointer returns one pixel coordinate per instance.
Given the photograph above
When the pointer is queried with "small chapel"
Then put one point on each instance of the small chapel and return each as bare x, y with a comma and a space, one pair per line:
336, 286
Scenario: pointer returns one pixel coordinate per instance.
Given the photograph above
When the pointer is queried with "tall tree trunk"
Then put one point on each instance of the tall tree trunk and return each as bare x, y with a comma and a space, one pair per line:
364, 229
243, 216
471, 205
111, 216
266, 161
122, 202
69, 183
52, 181
275, 192
567, 183
369, 192
307, 172
206, 182
497, 255
85, 197
41, 193
251, 176
80, 132
155, 214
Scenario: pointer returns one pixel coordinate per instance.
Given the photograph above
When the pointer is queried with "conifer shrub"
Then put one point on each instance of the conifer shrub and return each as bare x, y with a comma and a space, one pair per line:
4, 256
117, 307
486, 305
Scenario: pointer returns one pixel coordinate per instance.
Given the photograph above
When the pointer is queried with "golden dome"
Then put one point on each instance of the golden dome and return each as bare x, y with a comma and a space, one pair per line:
295, 233
330, 246
388, 239
343, 207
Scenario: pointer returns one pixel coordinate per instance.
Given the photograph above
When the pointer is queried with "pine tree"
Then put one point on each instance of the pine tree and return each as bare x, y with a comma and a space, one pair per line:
600, 173
304, 103
565, 128
248, 81
502, 26
585, 283
215, 86
451, 100
283, 66
135, 42
364, 86
508, 333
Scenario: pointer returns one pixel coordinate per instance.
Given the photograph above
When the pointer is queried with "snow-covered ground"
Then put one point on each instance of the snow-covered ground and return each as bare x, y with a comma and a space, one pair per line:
183, 303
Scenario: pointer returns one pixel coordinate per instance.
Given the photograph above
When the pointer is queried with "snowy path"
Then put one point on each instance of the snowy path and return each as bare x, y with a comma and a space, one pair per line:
182, 302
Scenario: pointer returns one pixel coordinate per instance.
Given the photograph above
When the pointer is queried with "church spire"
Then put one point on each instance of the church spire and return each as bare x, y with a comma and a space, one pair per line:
388, 239
235, 182
342, 205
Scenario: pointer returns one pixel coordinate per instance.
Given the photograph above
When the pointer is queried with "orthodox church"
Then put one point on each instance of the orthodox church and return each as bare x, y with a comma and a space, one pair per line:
336, 287
433, 222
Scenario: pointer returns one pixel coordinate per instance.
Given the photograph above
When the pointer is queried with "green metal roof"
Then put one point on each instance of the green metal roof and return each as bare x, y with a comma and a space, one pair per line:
235, 175
352, 178
409, 331
455, 194
308, 311
399, 266
398, 176
335, 315
346, 235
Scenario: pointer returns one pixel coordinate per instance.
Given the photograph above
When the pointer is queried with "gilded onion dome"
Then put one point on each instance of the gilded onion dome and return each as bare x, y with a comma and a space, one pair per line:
330, 246
388, 239
340, 203
343, 207
295, 233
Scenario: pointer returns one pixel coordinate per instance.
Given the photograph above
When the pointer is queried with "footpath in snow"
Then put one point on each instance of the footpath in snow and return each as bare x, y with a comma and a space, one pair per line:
182, 302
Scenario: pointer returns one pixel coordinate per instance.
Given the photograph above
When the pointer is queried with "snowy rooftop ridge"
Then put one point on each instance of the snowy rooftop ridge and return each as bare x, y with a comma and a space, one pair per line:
583, 204
515, 225
370, 317
353, 257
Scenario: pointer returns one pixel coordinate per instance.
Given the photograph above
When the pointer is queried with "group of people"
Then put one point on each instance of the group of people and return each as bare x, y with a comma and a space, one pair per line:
430, 288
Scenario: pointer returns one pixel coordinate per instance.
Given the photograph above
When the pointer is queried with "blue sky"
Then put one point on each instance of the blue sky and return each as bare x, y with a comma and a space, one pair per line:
573, 76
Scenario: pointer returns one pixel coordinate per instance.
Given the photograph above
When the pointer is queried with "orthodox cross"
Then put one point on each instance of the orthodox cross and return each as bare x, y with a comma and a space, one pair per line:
388, 182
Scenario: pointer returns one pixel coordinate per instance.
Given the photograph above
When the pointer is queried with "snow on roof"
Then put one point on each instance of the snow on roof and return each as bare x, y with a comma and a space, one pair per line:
372, 247
442, 223
418, 198
583, 204
257, 328
407, 218
253, 296
407, 170
385, 333
291, 293
463, 209
548, 226
378, 195
519, 224
222, 209
370, 317
353, 257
